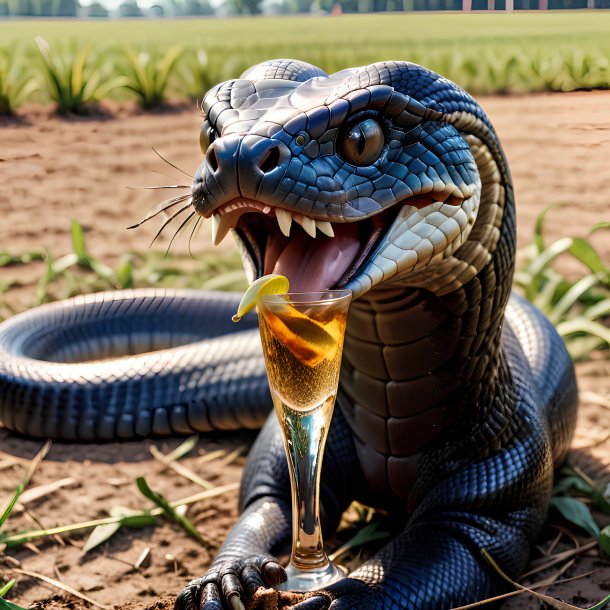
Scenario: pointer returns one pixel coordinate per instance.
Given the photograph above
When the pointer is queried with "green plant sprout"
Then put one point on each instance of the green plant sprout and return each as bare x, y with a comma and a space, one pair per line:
17, 85
148, 73
577, 307
72, 81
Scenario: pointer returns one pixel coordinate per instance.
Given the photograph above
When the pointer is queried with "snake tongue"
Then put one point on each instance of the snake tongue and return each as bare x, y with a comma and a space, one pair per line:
313, 264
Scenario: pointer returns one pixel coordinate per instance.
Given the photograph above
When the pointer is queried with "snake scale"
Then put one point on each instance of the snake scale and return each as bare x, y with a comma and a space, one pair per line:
456, 399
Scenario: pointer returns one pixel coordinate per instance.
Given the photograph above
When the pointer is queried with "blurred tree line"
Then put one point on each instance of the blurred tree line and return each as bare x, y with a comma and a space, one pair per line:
178, 8
128, 8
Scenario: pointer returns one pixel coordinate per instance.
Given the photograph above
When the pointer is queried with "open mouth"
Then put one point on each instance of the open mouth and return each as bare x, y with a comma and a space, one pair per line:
314, 254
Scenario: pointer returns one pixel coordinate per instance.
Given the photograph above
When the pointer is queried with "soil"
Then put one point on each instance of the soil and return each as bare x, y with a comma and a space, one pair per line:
54, 169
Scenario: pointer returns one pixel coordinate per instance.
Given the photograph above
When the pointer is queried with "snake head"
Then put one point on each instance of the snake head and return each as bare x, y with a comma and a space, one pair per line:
362, 179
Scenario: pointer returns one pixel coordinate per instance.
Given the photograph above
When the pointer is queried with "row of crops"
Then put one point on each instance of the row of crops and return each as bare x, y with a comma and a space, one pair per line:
74, 72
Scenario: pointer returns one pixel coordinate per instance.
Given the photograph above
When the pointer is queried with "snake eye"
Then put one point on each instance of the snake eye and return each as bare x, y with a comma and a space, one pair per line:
362, 143
206, 136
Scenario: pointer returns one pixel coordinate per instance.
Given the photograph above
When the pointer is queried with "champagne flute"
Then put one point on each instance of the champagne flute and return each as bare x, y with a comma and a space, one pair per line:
302, 336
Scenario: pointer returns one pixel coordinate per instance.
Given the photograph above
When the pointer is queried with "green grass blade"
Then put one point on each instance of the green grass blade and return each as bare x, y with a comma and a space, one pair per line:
43, 282
165, 68
61, 265
57, 88
587, 255
140, 82
25, 481
106, 87
601, 605
103, 271
7, 587
546, 298
566, 483
604, 540
24, 91
78, 241
571, 297
78, 69
367, 534
548, 255
230, 280
9, 509
6, 605
92, 86
599, 310
600, 225
183, 448
161, 502
125, 272
539, 226
582, 325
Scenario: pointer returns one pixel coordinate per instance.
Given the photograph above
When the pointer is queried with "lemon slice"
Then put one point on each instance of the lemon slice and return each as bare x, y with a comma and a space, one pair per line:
268, 284
308, 340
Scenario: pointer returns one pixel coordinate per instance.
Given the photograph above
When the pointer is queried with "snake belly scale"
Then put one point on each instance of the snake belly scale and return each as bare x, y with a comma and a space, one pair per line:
457, 399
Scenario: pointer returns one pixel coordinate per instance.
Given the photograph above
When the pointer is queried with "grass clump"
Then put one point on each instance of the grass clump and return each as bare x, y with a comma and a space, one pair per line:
578, 307
550, 52
74, 81
16, 83
80, 272
148, 73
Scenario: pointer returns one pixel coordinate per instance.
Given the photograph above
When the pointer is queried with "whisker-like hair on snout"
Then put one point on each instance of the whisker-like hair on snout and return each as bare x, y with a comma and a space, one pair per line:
179, 229
166, 205
170, 163
160, 187
174, 215
193, 232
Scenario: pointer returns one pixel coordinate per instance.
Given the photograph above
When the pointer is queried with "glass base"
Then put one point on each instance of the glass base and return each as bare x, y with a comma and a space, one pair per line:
311, 580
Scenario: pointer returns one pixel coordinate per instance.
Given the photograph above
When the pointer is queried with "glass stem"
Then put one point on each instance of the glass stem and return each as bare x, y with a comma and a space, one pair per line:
305, 451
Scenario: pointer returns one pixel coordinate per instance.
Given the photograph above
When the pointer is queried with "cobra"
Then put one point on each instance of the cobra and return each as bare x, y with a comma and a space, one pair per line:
456, 399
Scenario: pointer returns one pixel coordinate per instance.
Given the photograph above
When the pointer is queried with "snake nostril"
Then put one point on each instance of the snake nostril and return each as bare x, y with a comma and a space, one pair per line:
212, 158
270, 160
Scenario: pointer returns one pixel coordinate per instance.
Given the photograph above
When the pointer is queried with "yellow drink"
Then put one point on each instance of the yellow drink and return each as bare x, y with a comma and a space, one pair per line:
302, 337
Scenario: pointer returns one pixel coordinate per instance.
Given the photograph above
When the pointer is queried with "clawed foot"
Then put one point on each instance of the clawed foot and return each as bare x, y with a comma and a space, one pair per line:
231, 584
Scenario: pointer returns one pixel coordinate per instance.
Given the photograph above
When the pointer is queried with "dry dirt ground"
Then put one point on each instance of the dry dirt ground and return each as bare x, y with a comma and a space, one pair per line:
55, 169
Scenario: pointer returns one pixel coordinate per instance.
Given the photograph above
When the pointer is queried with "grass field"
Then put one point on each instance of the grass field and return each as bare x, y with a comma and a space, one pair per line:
484, 53
370, 34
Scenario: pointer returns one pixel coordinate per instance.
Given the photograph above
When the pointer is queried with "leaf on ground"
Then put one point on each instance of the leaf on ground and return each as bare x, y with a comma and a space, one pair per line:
569, 482
364, 536
6, 605
45, 490
100, 534
576, 512
161, 502
601, 499
604, 540
134, 519
7, 587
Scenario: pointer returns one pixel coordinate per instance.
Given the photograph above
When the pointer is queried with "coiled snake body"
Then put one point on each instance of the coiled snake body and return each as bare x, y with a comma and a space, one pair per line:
456, 400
